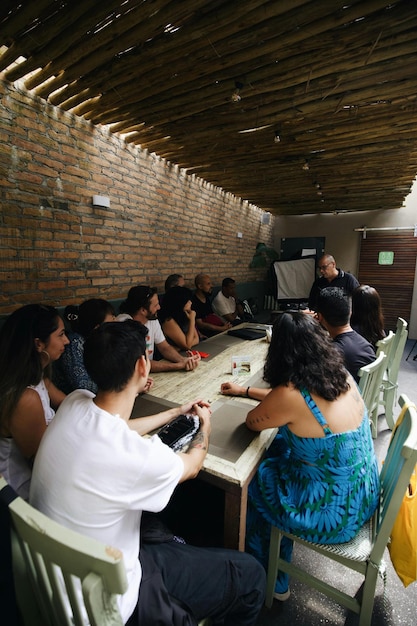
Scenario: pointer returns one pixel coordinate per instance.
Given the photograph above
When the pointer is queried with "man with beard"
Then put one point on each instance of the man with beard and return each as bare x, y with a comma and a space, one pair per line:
331, 276
207, 322
142, 305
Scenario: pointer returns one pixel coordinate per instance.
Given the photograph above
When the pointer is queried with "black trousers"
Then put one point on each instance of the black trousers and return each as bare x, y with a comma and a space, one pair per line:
182, 584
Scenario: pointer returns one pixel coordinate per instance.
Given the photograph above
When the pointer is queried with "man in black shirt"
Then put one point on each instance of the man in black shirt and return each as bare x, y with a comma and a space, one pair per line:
331, 276
333, 312
207, 322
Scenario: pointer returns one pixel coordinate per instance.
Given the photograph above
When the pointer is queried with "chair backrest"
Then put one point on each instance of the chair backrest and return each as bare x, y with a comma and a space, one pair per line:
73, 575
385, 344
370, 379
395, 476
397, 349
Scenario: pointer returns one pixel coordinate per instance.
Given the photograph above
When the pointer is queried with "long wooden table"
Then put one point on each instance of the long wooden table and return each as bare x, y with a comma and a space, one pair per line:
234, 452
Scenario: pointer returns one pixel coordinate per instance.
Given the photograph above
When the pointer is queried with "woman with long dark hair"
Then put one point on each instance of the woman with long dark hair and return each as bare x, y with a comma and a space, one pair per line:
31, 339
69, 371
367, 316
177, 318
320, 480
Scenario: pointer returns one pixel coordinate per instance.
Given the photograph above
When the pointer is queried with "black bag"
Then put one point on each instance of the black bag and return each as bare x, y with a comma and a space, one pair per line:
248, 313
178, 433
254, 307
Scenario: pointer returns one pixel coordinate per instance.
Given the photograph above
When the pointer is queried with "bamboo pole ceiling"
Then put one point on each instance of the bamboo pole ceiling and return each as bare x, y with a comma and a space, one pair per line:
298, 106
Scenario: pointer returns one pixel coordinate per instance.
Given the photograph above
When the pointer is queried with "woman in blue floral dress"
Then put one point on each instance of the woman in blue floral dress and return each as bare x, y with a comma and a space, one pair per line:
320, 479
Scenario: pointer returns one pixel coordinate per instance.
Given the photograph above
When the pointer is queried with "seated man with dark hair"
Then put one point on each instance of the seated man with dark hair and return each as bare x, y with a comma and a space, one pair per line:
226, 304
142, 305
96, 474
333, 312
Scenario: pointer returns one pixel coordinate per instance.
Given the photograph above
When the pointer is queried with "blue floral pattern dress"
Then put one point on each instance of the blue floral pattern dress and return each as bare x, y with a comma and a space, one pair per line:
69, 370
319, 489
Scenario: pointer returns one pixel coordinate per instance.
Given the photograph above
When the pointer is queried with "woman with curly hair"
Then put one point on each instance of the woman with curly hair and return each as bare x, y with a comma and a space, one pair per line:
31, 339
320, 480
177, 318
367, 316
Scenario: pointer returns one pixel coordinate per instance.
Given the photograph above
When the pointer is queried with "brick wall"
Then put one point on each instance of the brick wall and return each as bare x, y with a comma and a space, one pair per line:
56, 248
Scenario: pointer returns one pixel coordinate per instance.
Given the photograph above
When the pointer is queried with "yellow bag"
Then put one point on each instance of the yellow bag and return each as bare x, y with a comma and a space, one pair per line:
403, 544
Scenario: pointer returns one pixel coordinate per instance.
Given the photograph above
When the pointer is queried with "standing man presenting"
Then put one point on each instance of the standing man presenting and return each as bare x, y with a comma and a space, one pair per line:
331, 276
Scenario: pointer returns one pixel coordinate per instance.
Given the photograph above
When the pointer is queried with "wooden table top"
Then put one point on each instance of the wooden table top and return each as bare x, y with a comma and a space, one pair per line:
234, 450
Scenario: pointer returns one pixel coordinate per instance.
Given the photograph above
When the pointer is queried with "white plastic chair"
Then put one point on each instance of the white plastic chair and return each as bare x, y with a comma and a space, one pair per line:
51, 561
370, 381
390, 378
364, 553
385, 344
55, 558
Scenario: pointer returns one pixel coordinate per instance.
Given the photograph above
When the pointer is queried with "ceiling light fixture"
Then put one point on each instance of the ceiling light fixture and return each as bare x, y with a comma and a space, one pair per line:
253, 130
236, 97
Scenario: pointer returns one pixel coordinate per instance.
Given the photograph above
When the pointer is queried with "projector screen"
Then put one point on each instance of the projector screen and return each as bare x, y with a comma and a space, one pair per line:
295, 278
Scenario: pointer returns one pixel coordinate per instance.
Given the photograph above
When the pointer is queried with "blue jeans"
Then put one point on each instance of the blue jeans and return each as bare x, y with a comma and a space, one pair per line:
226, 585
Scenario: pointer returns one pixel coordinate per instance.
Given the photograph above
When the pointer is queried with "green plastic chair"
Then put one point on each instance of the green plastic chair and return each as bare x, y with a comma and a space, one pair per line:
390, 378
364, 553
370, 381
51, 563
385, 344
56, 558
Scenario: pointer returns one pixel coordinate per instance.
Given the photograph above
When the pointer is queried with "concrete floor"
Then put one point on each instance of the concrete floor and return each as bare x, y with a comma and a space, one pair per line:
396, 606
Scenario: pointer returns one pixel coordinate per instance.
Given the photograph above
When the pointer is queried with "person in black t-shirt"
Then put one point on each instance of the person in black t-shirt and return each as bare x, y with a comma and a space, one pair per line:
207, 322
331, 276
333, 313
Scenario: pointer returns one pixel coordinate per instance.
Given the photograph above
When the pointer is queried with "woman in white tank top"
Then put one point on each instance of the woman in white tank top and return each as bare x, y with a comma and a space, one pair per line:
30, 340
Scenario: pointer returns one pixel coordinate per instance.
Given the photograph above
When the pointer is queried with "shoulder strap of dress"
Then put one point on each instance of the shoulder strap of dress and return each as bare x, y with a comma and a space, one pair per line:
315, 411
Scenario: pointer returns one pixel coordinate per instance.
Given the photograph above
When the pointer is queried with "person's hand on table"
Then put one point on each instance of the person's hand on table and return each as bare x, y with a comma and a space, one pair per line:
149, 385
232, 389
203, 411
193, 405
192, 360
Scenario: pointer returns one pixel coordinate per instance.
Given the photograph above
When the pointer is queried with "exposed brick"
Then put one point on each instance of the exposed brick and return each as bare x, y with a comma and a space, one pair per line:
58, 248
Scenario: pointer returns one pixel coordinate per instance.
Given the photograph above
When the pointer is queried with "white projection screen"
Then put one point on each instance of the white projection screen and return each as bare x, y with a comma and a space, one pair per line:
295, 278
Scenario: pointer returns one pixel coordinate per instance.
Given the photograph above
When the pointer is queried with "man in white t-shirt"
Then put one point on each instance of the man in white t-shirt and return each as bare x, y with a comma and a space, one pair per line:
95, 474
225, 303
142, 305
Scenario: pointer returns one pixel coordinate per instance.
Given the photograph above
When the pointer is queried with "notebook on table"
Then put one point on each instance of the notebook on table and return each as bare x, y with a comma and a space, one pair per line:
247, 333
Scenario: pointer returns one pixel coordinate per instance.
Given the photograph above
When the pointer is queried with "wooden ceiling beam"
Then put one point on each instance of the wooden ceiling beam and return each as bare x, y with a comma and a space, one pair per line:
285, 30
336, 80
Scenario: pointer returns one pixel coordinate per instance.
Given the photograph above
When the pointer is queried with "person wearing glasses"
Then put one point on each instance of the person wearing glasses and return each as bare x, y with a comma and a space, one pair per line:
331, 276
142, 305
